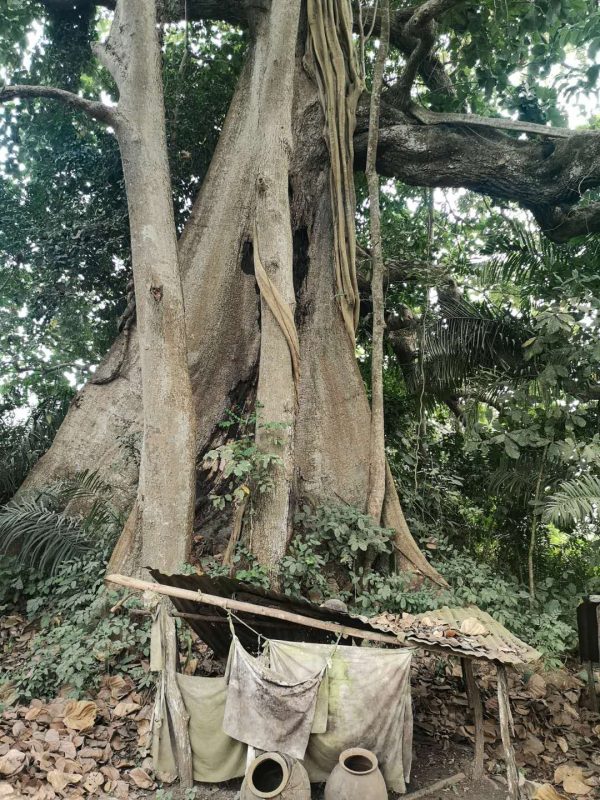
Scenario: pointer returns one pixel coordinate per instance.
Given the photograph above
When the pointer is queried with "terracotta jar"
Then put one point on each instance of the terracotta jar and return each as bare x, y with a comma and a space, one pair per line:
356, 776
275, 775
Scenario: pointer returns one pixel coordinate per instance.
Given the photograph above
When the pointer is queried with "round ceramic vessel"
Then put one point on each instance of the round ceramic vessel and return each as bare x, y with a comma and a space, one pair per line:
356, 776
274, 775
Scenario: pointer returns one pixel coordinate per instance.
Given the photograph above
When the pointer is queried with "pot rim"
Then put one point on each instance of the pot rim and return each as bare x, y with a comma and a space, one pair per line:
358, 751
279, 759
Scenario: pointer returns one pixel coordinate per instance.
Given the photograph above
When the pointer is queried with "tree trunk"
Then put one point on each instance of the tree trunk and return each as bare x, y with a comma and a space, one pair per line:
232, 333
163, 513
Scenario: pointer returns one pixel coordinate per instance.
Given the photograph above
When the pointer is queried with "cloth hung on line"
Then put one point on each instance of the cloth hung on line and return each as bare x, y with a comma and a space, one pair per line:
267, 710
369, 706
216, 757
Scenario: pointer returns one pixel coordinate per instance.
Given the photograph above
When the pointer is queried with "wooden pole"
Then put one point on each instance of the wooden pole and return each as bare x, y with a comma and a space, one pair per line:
437, 787
179, 716
506, 725
252, 608
474, 697
592, 687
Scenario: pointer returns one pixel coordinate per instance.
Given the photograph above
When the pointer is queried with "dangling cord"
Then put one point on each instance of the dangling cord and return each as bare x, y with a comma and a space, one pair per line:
334, 650
231, 616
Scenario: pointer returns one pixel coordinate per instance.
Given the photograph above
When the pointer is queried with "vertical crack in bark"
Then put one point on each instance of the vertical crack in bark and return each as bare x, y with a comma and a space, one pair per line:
338, 79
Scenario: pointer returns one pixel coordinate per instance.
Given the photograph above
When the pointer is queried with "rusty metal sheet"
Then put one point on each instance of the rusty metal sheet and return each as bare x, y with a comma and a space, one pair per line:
434, 630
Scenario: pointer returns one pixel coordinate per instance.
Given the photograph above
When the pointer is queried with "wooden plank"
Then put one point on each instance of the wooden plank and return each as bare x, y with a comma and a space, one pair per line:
506, 724
252, 608
437, 787
474, 696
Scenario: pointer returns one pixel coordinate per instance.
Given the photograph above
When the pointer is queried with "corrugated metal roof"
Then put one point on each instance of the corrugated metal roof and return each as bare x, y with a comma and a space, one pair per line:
213, 626
467, 632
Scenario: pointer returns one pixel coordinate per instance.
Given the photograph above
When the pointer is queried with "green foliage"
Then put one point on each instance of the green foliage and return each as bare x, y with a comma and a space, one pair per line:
242, 466
549, 625
21, 444
575, 501
245, 568
77, 639
48, 534
325, 535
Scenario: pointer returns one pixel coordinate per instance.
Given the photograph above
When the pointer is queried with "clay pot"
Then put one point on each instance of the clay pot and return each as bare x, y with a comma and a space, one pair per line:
275, 775
356, 776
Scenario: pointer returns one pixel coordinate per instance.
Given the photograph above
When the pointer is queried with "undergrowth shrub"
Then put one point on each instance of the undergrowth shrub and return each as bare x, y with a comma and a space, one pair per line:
336, 535
64, 536
77, 640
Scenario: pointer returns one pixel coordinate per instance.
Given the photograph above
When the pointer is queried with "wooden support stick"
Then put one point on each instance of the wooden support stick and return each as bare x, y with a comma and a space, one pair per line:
592, 687
437, 787
180, 719
236, 532
252, 608
506, 725
474, 696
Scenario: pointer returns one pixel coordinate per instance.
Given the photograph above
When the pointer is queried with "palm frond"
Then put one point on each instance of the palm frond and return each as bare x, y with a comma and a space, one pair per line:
22, 445
575, 501
46, 529
45, 537
466, 339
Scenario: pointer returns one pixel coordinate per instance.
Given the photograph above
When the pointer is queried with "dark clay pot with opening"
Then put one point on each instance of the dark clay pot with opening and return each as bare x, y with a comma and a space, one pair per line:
277, 776
356, 776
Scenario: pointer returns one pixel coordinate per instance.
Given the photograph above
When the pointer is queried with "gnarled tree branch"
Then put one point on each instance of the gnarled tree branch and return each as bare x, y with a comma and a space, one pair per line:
430, 67
428, 117
547, 177
92, 108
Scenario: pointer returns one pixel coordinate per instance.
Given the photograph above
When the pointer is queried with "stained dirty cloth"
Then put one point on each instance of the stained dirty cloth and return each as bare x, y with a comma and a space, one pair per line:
369, 706
264, 709
297, 664
216, 757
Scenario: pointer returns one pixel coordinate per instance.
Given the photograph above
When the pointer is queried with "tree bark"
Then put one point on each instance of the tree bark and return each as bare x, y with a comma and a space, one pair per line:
377, 444
225, 342
276, 35
165, 502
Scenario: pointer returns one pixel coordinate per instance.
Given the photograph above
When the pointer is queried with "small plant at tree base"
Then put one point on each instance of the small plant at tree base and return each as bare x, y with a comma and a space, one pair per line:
244, 466
246, 568
337, 535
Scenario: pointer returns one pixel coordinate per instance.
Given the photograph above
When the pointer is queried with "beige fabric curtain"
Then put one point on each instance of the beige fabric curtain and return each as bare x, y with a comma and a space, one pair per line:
216, 757
368, 705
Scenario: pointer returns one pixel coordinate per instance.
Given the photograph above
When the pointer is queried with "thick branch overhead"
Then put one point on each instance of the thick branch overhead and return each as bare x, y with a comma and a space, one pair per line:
92, 108
546, 176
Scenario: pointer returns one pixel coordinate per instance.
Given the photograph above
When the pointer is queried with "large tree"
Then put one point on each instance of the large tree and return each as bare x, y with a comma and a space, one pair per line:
267, 255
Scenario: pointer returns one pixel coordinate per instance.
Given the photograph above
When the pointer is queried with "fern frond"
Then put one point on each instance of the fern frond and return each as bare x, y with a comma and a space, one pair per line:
576, 500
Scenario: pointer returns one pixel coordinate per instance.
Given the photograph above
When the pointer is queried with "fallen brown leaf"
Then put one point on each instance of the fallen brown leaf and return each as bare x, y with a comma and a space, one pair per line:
574, 785
124, 708
60, 780
546, 792
141, 778
12, 762
80, 714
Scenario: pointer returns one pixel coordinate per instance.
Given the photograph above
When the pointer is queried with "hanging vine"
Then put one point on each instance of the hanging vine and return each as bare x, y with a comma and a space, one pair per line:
337, 72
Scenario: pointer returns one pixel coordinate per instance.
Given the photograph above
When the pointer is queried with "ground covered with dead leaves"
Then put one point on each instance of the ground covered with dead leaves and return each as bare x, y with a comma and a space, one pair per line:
100, 746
